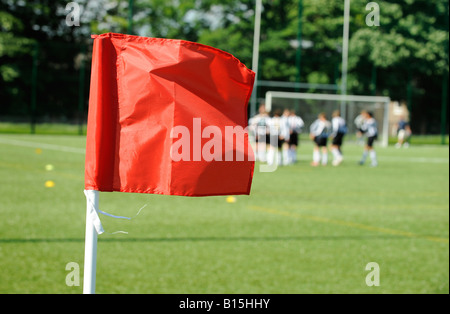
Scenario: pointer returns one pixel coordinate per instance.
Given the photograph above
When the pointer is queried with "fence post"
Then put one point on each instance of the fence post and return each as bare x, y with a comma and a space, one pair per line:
81, 87
409, 95
34, 69
130, 16
444, 109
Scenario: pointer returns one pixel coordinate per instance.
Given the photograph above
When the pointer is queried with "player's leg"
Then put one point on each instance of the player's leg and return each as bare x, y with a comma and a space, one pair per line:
373, 157
337, 156
370, 151
316, 154
365, 152
400, 138
364, 156
293, 154
260, 148
293, 144
278, 157
324, 155
336, 150
273, 150
285, 151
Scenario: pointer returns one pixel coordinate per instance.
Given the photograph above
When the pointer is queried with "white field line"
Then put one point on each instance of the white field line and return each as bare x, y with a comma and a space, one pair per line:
382, 158
58, 148
355, 158
75, 150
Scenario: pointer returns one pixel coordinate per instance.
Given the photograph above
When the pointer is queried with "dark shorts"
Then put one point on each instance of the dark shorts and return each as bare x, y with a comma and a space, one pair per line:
338, 139
321, 141
293, 139
273, 138
371, 140
261, 139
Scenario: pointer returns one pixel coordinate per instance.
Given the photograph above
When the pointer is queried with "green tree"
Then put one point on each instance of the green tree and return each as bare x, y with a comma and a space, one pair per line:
405, 57
11, 48
409, 48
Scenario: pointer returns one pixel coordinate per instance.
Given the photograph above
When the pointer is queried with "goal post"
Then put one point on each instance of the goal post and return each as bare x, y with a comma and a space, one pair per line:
308, 106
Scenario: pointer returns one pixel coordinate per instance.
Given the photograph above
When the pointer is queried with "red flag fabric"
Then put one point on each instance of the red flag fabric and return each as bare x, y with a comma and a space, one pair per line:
167, 117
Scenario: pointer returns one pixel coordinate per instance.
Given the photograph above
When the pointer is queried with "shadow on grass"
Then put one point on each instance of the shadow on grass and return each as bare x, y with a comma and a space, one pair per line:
206, 239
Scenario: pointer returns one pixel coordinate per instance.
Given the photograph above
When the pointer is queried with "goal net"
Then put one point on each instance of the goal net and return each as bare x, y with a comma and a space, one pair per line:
308, 106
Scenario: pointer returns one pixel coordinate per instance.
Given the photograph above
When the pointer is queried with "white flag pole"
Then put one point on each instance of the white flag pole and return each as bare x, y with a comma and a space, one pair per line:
90, 249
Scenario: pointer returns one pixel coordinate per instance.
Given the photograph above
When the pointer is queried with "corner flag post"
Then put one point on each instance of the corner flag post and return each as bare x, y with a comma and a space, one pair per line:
108, 152
90, 247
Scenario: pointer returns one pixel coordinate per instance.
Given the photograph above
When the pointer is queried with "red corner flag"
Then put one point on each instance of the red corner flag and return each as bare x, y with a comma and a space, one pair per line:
167, 117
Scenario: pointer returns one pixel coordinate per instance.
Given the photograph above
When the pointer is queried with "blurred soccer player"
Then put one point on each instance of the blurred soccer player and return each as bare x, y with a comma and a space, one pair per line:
319, 132
339, 129
359, 121
370, 130
285, 136
295, 124
279, 134
259, 125
403, 133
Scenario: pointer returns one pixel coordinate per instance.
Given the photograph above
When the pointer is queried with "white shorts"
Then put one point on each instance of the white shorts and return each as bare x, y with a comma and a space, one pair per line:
402, 135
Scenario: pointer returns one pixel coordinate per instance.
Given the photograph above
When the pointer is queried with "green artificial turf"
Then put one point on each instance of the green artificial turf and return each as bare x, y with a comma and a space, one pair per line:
302, 229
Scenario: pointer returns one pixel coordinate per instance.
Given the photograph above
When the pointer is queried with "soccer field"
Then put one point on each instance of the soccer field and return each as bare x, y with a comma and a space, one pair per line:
302, 229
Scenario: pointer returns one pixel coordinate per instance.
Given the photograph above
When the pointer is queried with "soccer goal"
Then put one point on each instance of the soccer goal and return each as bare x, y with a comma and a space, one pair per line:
308, 106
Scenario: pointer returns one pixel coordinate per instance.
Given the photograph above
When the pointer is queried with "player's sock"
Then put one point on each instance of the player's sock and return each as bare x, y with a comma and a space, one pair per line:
316, 157
262, 154
373, 158
335, 153
364, 157
293, 155
337, 157
324, 159
286, 157
271, 156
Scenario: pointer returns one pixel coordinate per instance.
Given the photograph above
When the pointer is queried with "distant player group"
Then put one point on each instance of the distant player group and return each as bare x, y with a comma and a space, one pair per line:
277, 137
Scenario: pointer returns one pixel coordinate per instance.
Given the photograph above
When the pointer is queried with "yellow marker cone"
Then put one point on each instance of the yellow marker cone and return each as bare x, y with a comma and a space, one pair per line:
49, 184
49, 167
231, 199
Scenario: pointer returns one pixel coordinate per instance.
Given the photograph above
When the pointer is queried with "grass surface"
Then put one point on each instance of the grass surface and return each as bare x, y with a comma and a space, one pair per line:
75, 129
302, 229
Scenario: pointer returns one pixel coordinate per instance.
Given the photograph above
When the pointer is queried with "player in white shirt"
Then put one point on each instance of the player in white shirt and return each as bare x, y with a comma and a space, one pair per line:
370, 130
319, 132
279, 134
359, 121
285, 137
295, 124
339, 129
259, 126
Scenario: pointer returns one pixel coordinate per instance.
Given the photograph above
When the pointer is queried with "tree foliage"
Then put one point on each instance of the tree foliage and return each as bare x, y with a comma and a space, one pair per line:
406, 57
